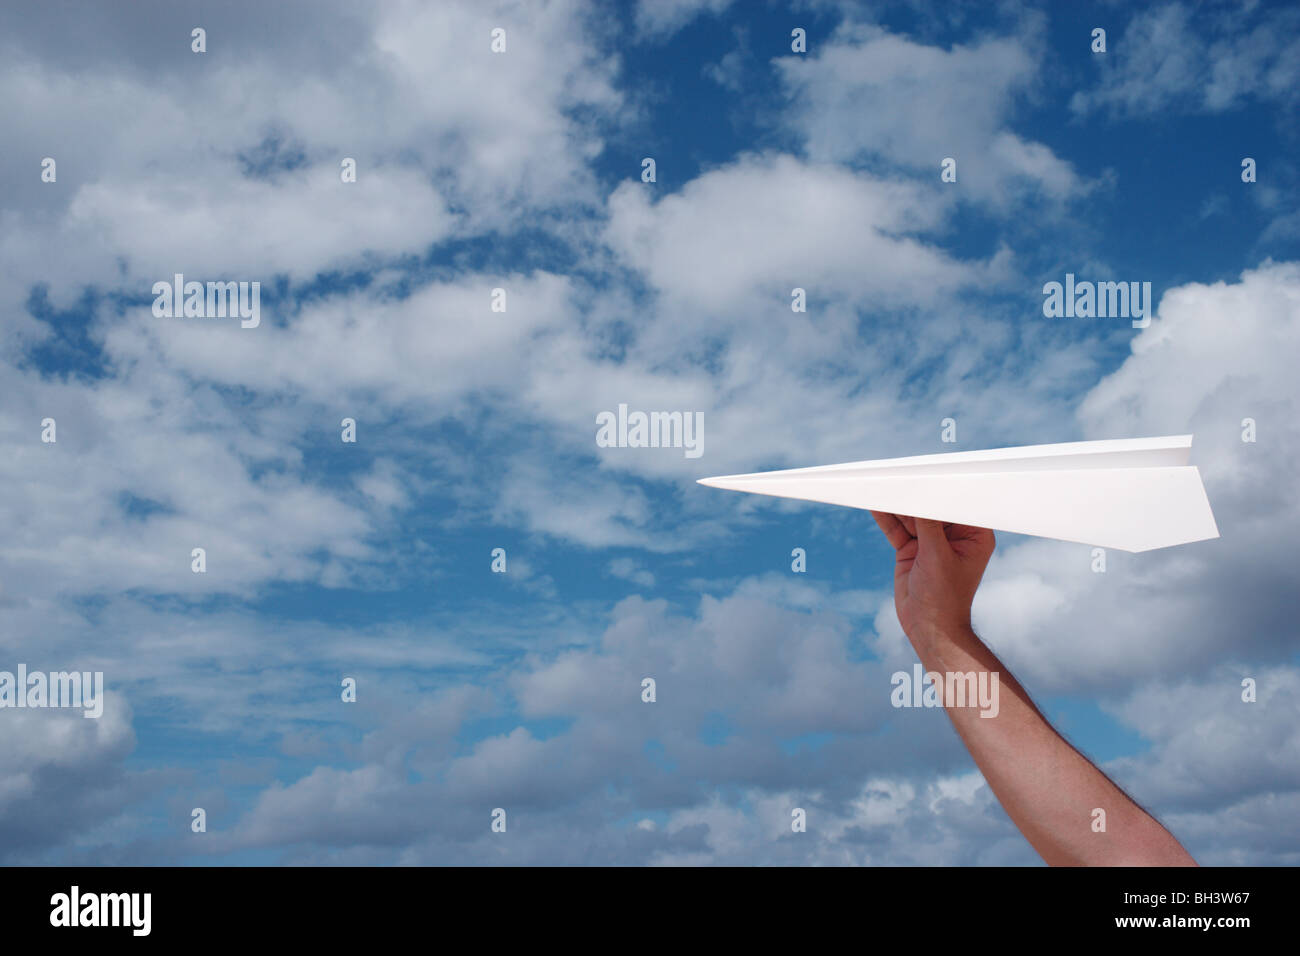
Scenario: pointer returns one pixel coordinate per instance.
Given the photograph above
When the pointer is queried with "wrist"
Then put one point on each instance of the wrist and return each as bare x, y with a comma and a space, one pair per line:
932, 634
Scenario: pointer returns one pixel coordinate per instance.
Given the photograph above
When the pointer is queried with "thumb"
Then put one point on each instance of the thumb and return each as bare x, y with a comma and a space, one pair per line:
930, 538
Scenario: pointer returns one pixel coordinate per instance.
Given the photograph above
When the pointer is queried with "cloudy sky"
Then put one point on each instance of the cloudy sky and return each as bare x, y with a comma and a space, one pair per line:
476, 429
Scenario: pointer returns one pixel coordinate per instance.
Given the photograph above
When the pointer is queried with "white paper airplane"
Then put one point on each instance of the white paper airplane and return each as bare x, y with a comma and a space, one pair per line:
1134, 494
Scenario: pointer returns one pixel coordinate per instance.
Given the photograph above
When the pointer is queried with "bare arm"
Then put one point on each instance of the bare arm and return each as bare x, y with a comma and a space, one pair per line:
1048, 788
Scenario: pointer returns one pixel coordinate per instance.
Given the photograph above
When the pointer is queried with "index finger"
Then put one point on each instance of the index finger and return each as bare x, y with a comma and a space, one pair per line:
893, 528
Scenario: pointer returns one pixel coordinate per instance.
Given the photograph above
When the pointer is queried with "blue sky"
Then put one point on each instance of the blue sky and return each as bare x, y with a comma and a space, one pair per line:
476, 429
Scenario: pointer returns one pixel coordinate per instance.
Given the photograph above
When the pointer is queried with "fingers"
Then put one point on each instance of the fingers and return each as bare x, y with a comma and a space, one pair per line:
893, 528
901, 529
931, 537
968, 539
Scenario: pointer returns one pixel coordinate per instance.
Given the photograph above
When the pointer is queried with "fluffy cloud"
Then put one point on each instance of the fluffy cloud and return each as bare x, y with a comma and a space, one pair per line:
60, 767
1176, 57
658, 19
866, 97
1179, 611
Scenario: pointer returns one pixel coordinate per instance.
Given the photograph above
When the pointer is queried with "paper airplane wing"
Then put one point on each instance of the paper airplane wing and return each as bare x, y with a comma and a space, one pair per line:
1133, 494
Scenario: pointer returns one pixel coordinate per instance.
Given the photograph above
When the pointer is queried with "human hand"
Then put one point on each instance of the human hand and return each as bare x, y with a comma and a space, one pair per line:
938, 569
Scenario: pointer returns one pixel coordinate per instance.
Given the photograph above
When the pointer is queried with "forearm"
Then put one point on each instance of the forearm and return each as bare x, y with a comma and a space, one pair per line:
1049, 789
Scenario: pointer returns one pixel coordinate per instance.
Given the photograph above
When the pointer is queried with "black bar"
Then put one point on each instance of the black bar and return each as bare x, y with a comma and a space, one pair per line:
622, 906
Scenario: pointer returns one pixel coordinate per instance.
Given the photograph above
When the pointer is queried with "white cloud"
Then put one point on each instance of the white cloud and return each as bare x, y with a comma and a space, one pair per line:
1209, 59
1175, 612
658, 19
867, 94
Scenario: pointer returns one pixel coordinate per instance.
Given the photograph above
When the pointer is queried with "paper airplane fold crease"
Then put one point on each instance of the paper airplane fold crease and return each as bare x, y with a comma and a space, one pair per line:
1134, 494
